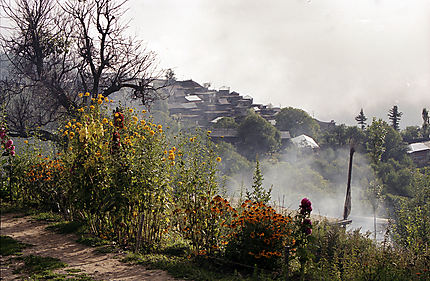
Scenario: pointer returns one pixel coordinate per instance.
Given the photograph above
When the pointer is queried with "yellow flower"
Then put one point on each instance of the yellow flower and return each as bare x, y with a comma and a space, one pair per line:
117, 115
131, 110
106, 100
73, 120
99, 101
135, 118
144, 111
83, 133
209, 132
71, 134
81, 95
111, 124
92, 106
26, 141
172, 163
159, 126
65, 133
143, 137
78, 124
218, 159
160, 130
105, 120
100, 96
191, 139
93, 99
67, 126
73, 126
81, 109
70, 148
173, 149
87, 94
152, 133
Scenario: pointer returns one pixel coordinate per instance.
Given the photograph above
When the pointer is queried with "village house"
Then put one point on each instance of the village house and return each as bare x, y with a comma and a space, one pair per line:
420, 153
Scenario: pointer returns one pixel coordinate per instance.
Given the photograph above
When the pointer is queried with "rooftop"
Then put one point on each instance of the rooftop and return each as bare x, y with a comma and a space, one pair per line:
418, 146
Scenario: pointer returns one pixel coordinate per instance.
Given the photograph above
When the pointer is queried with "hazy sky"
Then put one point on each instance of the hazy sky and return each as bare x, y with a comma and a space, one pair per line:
328, 57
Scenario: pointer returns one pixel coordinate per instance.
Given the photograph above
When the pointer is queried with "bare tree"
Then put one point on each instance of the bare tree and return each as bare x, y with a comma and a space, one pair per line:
60, 48
109, 60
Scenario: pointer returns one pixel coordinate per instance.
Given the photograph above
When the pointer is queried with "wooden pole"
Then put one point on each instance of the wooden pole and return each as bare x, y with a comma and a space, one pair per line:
347, 206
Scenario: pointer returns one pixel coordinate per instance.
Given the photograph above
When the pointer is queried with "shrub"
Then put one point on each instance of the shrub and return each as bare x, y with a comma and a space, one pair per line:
258, 235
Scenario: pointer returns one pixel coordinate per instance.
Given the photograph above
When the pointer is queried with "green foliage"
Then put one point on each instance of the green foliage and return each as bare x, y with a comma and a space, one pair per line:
412, 227
195, 185
47, 216
394, 115
92, 241
297, 122
376, 136
361, 119
66, 227
257, 192
411, 133
425, 129
232, 162
180, 267
10, 246
257, 136
394, 146
226, 122
341, 135
341, 255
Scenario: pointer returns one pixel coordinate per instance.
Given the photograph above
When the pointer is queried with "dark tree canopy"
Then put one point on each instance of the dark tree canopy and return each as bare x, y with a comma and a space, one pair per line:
411, 133
226, 122
361, 119
297, 122
394, 115
257, 136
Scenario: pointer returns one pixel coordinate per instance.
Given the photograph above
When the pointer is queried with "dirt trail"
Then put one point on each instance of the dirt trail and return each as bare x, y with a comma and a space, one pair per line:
64, 247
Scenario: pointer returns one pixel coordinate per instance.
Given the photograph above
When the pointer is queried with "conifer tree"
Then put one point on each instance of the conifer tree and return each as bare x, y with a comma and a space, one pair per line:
258, 193
426, 123
394, 115
361, 119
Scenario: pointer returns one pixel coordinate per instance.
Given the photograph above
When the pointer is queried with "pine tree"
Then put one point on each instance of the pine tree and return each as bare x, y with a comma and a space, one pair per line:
361, 119
426, 123
394, 115
258, 193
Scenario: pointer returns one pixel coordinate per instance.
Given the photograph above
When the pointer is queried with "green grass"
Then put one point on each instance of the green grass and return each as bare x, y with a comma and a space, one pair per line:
7, 208
38, 264
61, 277
41, 268
106, 249
181, 267
47, 216
10, 246
92, 241
66, 227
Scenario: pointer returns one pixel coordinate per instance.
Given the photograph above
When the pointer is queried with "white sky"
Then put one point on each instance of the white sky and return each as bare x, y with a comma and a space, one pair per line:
328, 57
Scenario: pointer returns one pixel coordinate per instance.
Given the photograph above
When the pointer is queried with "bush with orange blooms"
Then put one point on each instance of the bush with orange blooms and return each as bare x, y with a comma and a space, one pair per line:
257, 235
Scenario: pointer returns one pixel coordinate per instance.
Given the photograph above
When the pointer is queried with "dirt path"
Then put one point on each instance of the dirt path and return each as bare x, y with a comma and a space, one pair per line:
64, 247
